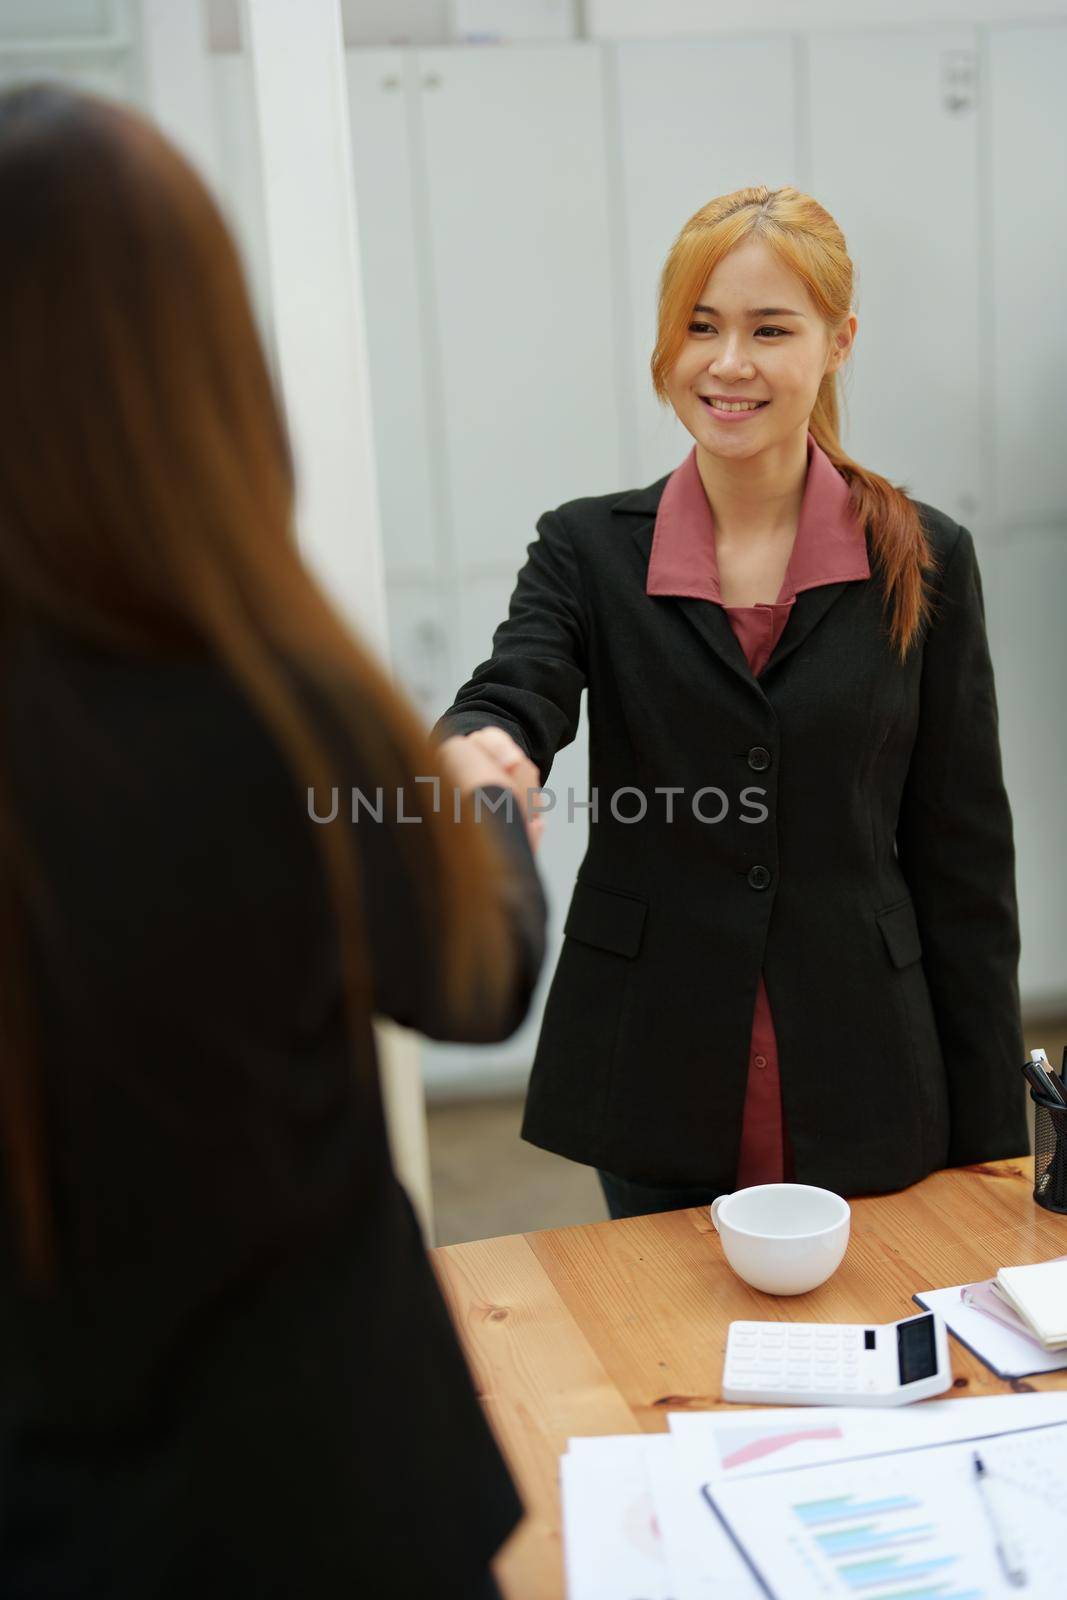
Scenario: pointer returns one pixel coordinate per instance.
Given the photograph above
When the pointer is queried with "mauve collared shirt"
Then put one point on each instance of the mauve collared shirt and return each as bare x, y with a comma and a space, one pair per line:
830, 547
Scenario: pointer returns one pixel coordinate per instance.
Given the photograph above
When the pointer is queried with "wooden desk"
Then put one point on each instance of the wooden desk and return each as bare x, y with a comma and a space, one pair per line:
605, 1328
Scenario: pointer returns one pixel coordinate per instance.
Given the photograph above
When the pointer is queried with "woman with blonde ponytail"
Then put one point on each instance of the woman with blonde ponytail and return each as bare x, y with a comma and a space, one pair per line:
792, 947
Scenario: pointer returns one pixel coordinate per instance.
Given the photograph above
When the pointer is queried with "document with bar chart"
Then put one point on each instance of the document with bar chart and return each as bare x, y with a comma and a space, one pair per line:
906, 1526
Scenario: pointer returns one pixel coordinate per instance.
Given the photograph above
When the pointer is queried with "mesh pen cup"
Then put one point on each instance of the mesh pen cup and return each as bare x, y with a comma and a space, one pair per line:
1050, 1154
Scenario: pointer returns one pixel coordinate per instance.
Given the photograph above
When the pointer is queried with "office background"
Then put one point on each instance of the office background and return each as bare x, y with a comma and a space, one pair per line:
513, 199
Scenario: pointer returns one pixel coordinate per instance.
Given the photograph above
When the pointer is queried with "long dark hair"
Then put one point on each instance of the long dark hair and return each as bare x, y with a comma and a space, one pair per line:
146, 505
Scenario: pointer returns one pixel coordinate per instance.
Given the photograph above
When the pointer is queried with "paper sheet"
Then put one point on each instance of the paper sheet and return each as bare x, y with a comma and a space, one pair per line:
905, 1524
638, 1523
613, 1545
723, 1445
705, 1562
620, 1486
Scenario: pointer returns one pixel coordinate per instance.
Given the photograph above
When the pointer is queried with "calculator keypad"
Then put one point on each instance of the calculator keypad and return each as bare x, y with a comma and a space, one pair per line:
795, 1359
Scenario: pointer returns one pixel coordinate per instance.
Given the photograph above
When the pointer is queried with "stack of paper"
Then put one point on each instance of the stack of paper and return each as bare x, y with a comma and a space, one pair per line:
1038, 1295
807, 1504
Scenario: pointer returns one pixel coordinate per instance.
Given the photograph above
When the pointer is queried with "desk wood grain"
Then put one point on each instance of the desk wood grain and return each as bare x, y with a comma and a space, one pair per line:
607, 1327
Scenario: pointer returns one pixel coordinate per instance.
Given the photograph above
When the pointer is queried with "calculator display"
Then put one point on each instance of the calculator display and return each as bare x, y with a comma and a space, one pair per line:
916, 1349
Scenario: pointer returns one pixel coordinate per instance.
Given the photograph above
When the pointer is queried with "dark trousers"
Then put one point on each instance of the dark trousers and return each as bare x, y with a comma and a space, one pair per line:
627, 1199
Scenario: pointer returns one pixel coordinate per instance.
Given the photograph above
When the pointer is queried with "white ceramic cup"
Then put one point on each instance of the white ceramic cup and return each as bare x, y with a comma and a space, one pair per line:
783, 1238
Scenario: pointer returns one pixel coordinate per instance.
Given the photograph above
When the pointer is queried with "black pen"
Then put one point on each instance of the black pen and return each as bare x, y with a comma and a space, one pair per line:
1043, 1082
1008, 1553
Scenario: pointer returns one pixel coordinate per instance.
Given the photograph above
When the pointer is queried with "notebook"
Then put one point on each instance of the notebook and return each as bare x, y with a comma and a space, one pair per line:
1039, 1295
991, 1329
1007, 1351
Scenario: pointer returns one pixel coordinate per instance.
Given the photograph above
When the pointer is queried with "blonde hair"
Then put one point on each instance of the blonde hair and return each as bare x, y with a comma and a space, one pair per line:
807, 240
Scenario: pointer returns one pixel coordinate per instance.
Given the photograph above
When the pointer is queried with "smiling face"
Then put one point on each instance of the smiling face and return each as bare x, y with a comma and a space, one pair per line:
755, 340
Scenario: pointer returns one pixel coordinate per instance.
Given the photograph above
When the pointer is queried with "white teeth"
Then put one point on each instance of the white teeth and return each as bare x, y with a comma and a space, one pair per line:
735, 405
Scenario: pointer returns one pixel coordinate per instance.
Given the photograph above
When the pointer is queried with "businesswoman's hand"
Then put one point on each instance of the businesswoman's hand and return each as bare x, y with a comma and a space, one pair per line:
490, 756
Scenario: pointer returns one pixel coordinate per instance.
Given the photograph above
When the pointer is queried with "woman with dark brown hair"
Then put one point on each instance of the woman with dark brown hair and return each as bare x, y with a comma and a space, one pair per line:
224, 1362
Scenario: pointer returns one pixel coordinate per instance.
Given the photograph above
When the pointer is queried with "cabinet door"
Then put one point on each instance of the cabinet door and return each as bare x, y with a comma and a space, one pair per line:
420, 629
114, 78
1025, 388
399, 328
1025, 578
89, 45
894, 157
1024, 394
692, 120
524, 301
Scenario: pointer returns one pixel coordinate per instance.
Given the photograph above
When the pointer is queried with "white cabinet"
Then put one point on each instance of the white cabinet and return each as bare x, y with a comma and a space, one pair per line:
398, 287
894, 158
423, 643
496, 364
691, 121
524, 289
1024, 396
1023, 384
957, 388
1025, 579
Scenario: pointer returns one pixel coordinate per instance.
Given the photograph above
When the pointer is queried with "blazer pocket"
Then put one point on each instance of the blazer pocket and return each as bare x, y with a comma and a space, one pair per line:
606, 919
901, 933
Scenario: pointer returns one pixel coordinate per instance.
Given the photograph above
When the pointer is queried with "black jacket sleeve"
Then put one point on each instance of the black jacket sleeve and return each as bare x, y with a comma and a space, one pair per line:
532, 684
406, 950
956, 850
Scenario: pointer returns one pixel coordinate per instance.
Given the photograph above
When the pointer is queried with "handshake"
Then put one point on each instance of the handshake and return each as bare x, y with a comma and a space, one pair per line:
490, 757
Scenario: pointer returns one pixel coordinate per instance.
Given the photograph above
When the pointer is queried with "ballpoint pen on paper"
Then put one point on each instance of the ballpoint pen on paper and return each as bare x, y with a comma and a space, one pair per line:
1008, 1552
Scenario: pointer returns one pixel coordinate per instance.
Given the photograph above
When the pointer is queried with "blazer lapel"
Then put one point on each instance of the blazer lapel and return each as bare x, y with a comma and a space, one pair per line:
709, 620
809, 608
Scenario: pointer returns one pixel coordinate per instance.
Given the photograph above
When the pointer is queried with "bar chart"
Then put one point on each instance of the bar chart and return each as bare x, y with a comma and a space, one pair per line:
878, 1547
905, 1526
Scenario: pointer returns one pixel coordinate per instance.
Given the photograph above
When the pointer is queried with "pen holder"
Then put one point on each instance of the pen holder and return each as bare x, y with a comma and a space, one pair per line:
1050, 1154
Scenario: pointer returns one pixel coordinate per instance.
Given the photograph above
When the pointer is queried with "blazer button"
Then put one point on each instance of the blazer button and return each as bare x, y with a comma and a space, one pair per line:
759, 877
759, 759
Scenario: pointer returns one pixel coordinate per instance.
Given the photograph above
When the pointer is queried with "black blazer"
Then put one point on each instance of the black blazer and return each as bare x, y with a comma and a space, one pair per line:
869, 873
246, 1381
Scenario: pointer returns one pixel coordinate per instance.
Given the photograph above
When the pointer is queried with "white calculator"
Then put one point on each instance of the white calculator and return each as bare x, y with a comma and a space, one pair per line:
826, 1364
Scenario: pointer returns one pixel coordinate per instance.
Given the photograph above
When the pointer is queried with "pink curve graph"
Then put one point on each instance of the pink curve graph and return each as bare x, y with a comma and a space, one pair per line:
756, 1449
